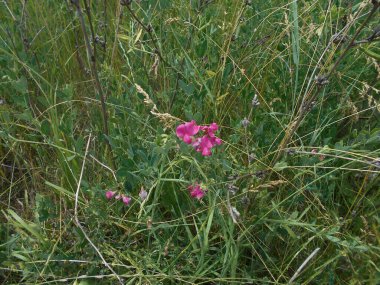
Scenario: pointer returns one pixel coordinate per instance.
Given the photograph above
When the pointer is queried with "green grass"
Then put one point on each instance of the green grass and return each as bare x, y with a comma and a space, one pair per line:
305, 169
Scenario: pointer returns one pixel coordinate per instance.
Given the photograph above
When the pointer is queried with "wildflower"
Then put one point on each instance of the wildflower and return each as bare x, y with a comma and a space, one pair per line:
210, 130
203, 144
196, 191
143, 194
126, 200
110, 194
187, 130
245, 122
320, 157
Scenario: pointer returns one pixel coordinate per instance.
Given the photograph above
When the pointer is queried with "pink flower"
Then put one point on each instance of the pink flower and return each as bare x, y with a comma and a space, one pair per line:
110, 194
187, 130
196, 191
210, 130
205, 144
126, 200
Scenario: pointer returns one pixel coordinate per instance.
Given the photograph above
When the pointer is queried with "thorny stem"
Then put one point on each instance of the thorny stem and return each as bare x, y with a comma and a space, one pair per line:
305, 107
94, 72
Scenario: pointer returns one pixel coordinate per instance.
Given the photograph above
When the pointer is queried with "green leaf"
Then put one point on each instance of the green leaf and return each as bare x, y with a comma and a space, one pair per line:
281, 165
371, 53
21, 85
187, 88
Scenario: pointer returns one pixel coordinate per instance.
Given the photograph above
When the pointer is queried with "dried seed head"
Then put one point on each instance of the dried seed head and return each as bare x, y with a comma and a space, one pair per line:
321, 80
375, 34
232, 188
235, 215
143, 194
290, 151
260, 174
255, 101
149, 223
245, 122
245, 200
233, 177
338, 38
251, 157
125, 2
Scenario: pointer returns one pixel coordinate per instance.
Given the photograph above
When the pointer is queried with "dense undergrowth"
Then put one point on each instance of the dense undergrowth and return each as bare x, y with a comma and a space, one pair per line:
292, 191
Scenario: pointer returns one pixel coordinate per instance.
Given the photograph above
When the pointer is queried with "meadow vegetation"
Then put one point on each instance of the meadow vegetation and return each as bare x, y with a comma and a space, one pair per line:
105, 179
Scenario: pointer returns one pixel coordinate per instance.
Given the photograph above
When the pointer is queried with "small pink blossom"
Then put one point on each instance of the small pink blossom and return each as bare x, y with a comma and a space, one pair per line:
126, 200
196, 191
187, 130
210, 130
205, 144
110, 194
321, 157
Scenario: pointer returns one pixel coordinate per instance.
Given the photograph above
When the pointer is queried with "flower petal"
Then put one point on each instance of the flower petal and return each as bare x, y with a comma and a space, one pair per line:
110, 194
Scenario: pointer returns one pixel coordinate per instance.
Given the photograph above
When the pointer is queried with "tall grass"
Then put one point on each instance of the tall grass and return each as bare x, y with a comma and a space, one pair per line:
92, 92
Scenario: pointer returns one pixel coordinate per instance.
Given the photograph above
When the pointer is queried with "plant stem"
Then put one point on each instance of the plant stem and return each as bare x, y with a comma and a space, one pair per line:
94, 72
302, 112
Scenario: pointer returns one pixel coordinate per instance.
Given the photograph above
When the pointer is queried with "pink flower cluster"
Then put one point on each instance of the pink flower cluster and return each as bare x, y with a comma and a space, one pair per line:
187, 131
125, 199
196, 191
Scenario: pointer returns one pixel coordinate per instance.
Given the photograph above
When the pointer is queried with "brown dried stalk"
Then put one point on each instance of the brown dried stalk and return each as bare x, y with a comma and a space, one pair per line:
93, 67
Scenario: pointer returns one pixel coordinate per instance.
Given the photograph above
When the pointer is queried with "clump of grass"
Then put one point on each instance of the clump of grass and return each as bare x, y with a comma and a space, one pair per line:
92, 93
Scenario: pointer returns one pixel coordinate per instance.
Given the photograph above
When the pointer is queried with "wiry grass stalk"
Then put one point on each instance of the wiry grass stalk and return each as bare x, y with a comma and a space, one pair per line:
303, 110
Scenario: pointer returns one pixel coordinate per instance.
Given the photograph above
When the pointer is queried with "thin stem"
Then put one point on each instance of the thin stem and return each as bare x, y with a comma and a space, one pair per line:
307, 103
76, 219
149, 30
94, 72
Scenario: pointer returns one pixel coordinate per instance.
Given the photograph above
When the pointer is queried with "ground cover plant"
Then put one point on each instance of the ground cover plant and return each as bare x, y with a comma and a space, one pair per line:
189, 142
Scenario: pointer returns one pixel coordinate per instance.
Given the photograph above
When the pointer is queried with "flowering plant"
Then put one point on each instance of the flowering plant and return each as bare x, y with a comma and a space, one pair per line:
203, 144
